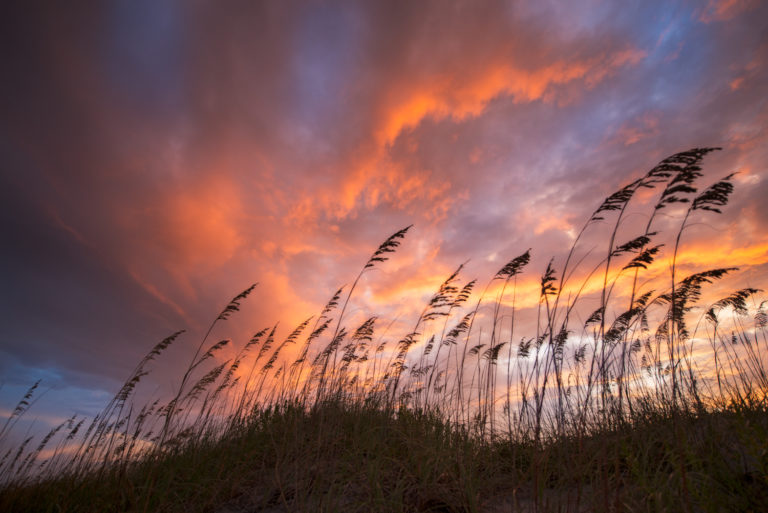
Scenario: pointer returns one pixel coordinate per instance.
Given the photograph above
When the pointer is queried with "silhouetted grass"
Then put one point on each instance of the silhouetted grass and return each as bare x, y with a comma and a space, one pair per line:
648, 402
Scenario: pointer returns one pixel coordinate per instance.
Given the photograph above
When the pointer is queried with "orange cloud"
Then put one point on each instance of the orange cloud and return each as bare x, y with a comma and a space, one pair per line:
704, 256
691, 258
370, 178
199, 226
545, 222
192, 231
370, 182
751, 70
736, 83
642, 127
449, 96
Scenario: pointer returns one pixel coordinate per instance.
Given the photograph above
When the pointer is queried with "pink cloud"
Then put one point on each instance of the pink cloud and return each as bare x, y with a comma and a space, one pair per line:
724, 10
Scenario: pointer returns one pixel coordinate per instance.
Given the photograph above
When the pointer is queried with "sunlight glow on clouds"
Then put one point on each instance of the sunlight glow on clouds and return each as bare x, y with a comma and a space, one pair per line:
157, 159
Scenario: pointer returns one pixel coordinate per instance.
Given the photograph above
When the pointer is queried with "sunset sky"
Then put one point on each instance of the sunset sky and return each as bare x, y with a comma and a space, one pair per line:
159, 156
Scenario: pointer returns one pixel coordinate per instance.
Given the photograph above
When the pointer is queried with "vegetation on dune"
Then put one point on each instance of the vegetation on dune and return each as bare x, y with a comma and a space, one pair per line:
639, 401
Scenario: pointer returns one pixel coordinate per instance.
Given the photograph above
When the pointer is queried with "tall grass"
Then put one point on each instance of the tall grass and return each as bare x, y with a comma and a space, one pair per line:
614, 397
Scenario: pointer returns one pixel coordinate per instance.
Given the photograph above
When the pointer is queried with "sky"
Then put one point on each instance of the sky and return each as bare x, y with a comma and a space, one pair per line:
159, 156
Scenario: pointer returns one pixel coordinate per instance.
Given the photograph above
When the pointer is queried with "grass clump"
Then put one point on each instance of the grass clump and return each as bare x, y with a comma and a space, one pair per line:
337, 456
627, 396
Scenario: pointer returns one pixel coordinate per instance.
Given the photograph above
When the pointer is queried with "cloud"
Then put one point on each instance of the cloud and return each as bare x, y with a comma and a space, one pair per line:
458, 97
158, 160
724, 10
